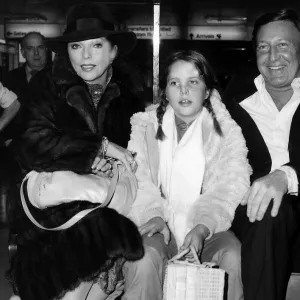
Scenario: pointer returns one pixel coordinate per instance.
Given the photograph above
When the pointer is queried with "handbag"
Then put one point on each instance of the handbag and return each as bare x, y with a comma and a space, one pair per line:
118, 184
47, 189
193, 281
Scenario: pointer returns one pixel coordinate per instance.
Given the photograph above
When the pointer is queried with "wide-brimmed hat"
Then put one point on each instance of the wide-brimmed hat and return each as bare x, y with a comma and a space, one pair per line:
89, 21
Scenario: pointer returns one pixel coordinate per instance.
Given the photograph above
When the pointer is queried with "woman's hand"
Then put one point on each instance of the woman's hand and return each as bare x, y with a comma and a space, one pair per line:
123, 155
156, 225
102, 167
195, 238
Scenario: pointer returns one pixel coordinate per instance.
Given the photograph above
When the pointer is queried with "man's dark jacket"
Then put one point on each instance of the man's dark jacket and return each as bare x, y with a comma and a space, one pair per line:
16, 81
258, 155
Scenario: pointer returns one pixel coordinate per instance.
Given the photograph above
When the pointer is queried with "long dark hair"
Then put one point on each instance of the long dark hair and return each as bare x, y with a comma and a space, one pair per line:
204, 69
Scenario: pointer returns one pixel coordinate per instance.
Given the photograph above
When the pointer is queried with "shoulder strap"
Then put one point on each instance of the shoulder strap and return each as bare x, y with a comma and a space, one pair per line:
79, 215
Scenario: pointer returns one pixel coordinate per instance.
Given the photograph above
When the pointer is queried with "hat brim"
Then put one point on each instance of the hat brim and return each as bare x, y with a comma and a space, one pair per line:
125, 40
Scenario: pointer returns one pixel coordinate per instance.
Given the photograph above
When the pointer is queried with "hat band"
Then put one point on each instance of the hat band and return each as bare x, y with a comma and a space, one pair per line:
89, 23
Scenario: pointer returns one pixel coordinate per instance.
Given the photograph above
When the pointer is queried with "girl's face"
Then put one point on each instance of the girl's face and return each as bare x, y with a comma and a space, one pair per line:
91, 58
186, 90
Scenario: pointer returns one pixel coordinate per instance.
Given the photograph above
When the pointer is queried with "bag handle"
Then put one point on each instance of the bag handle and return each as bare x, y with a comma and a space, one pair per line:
184, 252
79, 215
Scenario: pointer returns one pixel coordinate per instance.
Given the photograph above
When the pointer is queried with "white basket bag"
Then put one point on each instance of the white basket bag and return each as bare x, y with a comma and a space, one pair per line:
193, 281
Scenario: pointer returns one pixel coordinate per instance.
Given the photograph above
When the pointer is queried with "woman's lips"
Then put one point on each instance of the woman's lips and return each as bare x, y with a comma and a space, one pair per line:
87, 68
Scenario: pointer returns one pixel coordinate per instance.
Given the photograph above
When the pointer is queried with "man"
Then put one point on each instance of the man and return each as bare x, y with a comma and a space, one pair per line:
267, 222
35, 52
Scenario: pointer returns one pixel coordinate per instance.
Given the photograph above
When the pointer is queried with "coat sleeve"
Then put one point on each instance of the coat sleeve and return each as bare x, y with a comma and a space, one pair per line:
148, 203
228, 178
45, 146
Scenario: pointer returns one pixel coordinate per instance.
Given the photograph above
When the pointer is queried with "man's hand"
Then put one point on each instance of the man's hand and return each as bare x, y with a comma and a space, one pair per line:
156, 225
195, 238
270, 187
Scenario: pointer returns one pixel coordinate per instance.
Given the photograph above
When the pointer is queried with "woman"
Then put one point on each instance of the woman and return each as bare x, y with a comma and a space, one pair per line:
78, 115
84, 99
192, 167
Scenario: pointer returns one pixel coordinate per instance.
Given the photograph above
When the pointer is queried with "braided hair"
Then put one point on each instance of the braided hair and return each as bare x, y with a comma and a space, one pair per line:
204, 70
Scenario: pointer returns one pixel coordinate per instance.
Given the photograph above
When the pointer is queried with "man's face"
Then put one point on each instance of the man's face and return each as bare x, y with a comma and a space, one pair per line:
34, 52
278, 55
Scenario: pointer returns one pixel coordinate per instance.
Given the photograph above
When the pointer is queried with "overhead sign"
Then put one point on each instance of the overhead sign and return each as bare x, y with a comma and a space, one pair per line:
146, 31
192, 33
18, 30
229, 33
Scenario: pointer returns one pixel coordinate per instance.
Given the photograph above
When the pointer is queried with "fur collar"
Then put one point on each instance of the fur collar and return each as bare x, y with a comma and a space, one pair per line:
79, 98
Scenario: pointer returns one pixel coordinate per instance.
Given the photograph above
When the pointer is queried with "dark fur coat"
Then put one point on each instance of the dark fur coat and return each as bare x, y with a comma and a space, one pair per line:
63, 129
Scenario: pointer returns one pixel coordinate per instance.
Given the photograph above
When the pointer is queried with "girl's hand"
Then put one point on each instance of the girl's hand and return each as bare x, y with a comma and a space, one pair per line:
156, 225
195, 238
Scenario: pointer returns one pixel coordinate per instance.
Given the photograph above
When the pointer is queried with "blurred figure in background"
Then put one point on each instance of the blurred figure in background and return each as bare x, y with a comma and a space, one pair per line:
267, 222
35, 52
37, 57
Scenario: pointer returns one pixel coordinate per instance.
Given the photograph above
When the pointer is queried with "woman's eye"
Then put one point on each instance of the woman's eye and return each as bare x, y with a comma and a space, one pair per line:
172, 83
75, 46
98, 45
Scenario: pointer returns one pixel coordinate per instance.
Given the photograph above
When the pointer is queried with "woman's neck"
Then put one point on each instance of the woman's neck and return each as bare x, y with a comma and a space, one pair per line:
100, 80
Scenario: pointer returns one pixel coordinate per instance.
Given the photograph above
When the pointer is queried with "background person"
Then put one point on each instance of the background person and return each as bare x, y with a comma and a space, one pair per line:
268, 223
35, 52
192, 171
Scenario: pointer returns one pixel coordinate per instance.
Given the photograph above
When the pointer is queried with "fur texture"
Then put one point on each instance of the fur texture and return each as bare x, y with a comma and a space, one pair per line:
49, 264
226, 178
63, 129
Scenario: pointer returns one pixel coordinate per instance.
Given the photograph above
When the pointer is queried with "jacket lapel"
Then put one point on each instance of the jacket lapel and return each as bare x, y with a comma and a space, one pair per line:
111, 92
294, 139
78, 97
258, 155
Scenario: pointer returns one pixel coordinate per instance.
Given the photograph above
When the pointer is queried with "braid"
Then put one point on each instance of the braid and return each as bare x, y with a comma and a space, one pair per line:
160, 111
208, 106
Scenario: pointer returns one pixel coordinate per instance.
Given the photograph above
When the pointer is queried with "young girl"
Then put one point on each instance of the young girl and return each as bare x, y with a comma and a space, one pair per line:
192, 167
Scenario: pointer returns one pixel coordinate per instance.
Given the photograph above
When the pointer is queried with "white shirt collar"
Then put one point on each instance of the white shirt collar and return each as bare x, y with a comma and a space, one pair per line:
260, 83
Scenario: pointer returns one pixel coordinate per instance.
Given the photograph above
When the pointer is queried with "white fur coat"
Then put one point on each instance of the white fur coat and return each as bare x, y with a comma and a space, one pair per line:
226, 177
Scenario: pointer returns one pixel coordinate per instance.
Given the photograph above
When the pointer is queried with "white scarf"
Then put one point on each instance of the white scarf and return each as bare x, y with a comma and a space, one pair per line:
181, 171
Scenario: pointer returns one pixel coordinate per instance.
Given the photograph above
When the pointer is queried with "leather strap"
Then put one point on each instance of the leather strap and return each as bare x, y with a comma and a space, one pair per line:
79, 215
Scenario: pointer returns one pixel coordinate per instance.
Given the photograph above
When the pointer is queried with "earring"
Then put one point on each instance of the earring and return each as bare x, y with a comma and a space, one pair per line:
207, 94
